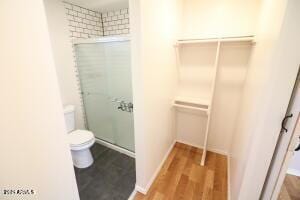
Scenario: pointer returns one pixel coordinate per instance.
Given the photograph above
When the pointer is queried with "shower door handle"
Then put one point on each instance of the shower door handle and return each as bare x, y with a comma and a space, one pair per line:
283, 128
123, 106
130, 107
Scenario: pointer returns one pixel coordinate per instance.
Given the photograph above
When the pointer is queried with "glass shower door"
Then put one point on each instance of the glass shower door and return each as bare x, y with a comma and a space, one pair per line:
105, 78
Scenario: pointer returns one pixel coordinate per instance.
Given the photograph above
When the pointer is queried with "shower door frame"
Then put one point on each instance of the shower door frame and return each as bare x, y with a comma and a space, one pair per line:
101, 39
92, 41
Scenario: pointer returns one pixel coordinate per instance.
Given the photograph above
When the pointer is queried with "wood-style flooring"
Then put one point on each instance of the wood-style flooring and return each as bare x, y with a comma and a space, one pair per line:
290, 189
182, 177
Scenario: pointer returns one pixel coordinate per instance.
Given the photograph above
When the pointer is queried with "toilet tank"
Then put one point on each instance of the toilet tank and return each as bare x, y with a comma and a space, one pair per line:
69, 112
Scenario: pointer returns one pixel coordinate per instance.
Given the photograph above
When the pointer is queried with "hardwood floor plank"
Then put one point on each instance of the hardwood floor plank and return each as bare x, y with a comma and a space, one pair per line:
290, 189
284, 195
210, 162
182, 177
217, 195
189, 190
139, 196
292, 184
220, 181
198, 192
208, 185
158, 196
181, 186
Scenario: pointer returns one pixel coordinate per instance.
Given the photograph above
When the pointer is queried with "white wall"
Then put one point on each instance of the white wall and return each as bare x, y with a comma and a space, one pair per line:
196, 80
210, 18
206, 18
34, 150
269, 84
63, 57
154, 28
294, 167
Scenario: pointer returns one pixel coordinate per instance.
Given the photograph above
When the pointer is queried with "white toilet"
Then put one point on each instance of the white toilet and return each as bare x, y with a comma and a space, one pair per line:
80, 140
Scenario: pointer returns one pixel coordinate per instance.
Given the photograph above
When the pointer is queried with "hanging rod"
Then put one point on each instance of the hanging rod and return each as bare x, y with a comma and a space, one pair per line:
249, 38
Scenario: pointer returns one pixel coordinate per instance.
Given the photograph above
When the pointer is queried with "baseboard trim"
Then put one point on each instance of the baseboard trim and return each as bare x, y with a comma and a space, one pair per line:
228, 178
201, 147
155, 174
131, 197
115, 147
294, 172
140, 189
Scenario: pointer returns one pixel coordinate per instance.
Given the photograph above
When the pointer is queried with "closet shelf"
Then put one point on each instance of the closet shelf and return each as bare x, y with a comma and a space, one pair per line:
191, 103
221, 39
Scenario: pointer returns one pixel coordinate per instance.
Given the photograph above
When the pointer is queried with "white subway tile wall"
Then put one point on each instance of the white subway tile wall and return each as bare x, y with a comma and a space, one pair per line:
116, 22
83, 23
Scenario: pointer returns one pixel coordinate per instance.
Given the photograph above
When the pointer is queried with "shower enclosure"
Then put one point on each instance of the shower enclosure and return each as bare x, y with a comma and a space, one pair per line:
105, 78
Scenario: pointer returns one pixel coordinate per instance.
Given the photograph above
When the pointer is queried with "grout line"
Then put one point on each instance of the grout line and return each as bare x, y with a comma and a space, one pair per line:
102, 24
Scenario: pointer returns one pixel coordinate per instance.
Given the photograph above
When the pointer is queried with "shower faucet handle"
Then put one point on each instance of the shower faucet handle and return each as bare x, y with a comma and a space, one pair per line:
130, 107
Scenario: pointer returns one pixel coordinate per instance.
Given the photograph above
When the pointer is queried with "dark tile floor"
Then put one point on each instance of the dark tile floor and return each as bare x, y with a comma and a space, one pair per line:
112, 176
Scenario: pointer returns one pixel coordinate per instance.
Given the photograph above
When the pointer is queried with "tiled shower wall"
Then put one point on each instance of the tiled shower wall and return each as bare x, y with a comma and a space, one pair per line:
85, 23
116, 22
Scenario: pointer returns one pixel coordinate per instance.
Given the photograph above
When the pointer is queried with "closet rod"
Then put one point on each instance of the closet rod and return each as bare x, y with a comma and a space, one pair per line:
221, 39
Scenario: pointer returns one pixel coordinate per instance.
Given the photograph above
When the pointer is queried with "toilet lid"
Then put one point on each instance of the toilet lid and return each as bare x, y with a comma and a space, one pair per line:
80, 137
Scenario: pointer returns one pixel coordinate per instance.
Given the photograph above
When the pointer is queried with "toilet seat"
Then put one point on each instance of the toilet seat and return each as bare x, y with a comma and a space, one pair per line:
81, 139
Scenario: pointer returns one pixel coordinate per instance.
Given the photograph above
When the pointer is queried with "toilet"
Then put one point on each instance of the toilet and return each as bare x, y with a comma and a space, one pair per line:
80, 140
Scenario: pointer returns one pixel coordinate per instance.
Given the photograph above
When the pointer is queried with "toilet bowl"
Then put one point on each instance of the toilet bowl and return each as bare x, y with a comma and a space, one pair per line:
80, 143
80, 140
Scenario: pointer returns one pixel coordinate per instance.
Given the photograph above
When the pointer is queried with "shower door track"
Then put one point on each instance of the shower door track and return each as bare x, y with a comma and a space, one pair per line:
115, 147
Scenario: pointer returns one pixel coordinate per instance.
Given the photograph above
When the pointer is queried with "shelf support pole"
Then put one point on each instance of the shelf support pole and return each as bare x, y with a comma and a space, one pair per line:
216, 64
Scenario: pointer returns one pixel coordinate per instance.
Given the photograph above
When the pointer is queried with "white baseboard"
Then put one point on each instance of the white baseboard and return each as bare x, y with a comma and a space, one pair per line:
228, 178
145, 190
218, 151
131, 197
115, 147
294, 172
141, 189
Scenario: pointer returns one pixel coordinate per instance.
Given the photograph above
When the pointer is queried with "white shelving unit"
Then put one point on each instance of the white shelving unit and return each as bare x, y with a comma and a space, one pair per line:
203, 104
191, 103
220, 39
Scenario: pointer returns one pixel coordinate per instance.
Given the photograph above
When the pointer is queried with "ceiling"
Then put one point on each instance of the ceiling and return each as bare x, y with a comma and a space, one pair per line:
101, 5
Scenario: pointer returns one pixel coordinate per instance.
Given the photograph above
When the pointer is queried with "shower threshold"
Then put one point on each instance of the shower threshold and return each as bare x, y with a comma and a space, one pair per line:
115, 147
